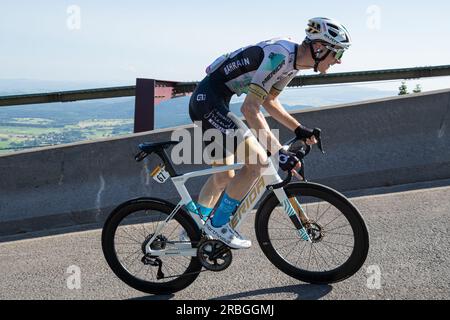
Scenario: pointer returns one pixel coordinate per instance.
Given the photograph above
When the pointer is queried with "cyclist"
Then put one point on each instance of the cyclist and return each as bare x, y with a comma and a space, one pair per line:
261, 71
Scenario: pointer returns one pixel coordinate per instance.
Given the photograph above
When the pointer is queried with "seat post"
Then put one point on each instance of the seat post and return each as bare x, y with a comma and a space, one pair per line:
167, 162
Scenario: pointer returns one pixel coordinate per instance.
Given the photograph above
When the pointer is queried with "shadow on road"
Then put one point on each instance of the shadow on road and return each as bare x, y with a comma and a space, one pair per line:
155, 297
303, 291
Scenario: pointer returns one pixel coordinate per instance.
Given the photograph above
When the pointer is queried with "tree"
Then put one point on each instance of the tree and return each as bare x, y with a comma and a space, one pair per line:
403, 89
418, 89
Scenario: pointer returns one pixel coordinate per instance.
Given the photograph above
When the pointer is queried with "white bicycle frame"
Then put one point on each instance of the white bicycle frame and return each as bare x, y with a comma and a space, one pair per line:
258, 189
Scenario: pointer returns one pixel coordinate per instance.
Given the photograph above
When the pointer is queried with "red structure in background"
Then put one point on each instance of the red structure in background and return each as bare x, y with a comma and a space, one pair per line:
150, 92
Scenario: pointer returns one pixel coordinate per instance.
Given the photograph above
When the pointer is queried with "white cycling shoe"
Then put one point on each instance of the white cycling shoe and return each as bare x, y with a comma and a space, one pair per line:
227, 235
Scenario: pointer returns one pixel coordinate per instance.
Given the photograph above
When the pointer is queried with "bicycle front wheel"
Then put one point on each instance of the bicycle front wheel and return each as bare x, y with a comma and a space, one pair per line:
128, 230
340, 240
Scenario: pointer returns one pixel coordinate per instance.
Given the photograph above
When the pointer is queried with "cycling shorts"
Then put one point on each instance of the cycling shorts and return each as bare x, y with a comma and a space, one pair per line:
210, 104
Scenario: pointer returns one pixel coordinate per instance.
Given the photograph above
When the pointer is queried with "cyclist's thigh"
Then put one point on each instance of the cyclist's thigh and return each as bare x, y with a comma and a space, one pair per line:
251, 152
211, 110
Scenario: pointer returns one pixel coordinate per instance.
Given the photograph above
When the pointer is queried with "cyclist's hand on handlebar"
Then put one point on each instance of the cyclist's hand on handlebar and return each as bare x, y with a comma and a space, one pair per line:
297, 175
288, 161
311, 141
306, 134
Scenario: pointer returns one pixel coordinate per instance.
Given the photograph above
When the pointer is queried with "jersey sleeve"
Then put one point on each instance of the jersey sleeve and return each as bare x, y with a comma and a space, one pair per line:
280, 85
269, 73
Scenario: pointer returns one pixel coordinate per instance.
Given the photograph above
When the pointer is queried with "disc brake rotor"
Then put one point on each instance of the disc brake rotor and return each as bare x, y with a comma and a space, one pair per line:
315, 231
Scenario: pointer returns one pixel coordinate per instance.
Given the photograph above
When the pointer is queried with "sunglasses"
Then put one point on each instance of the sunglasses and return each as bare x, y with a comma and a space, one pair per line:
338, 53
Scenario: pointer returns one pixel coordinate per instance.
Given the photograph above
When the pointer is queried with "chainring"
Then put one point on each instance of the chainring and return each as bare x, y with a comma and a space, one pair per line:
214, 255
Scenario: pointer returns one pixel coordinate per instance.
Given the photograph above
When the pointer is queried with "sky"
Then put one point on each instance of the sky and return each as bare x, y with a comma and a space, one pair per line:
118, 41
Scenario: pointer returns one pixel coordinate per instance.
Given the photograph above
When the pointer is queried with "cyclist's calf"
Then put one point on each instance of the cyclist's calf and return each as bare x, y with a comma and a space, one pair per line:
222, 179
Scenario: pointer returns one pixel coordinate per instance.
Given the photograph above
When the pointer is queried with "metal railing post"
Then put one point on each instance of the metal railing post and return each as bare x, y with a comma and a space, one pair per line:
144, 108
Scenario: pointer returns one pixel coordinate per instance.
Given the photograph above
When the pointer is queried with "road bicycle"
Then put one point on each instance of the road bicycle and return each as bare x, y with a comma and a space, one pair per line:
307, 230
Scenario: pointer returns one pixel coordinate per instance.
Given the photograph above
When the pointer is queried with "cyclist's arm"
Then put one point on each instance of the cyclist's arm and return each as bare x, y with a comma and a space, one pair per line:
277, 111
256, 120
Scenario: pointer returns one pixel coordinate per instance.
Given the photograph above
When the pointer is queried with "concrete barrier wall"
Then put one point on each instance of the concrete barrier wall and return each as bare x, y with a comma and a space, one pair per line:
369, 144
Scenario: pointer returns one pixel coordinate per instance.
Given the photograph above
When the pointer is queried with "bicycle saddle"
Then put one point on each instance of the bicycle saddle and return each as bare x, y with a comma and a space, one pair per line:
150, 147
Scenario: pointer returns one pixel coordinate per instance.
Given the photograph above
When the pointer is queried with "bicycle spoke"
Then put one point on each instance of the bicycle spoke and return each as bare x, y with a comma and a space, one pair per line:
142, 267
340, 227
309, 258
159, 221
136, 230
331, 255
284, 215
171, 271
324, 213
147, 272
300, 253
287, 244
135, 252
152, 222
130, 236
145, 231
337, 233
295, 246
334, 249
178, 262
127, 252
342, 245
314, 256
320, 255
168, 237
339, 216
282, 228
132, 240
284, 239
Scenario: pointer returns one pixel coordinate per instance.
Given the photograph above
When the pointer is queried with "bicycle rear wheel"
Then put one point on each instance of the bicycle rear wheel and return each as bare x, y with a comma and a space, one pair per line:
340, 240
124, 237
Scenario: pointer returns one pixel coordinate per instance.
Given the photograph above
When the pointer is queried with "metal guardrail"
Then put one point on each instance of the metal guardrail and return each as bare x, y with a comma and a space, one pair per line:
180, 88
67, 96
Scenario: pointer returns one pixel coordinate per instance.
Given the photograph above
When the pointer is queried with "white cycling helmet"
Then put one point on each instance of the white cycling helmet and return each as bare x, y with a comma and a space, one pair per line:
328, 30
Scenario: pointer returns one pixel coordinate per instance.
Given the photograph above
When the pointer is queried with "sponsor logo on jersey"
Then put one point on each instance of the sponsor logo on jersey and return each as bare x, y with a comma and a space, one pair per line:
220, 122
236, 65
201, 97
274, 72
291, 59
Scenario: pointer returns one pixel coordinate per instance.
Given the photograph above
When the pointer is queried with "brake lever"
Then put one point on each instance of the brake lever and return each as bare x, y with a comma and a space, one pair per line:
317, 133
302, 170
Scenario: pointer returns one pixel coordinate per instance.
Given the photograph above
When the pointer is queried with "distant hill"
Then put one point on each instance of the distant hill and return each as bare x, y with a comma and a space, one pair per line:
72, 112
28, 86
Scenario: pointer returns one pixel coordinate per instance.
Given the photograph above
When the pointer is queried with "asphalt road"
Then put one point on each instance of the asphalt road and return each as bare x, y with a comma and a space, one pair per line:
409, 247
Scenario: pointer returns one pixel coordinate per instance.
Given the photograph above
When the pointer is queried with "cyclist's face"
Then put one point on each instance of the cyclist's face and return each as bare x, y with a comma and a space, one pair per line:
328, 62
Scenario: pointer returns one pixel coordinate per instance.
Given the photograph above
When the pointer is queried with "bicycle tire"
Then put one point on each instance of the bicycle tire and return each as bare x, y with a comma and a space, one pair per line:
339, 201
165, 208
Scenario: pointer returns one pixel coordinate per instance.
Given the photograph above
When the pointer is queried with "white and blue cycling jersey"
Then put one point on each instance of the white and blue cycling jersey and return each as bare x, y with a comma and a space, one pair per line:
264, 68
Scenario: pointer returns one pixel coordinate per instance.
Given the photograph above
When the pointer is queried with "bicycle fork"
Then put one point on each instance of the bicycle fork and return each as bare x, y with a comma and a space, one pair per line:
294, 211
